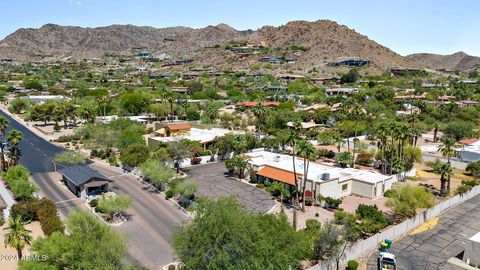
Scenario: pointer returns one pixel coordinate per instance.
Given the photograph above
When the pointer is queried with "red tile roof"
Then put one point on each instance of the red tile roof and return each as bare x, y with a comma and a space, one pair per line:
176, 127
468, 141
278, 174
253, 103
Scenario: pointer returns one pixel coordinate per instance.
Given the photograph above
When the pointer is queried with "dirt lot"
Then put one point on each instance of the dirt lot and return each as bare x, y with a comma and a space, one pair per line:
426, 175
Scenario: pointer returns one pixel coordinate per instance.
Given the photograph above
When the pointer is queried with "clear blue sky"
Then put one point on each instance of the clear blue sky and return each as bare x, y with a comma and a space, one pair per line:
405, 26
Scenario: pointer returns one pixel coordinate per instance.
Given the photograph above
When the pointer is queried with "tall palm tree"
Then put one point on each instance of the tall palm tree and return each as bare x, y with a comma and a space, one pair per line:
16, 236
445, 171
212, 113
3, 127
259, 111
292, 139
306, 151
14, 137
383, 132
338, 141
241, 164
448, 146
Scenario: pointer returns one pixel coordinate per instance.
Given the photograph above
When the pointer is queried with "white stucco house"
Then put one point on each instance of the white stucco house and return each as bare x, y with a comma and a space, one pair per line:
470, 150
322, 179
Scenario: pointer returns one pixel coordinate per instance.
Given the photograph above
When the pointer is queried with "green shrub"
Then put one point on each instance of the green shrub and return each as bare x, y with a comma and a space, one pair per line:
56, 126
253, 177
48, 216
267, 183
466, 186
93, 203
312, 224
309, 201
260, 185
389, 193
352, 265
169, 194
172, 267
112, 160
275, 189
333, 203
286, 195
27, 210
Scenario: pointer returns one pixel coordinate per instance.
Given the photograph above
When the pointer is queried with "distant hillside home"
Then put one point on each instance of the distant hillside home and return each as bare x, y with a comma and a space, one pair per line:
84, 181
44, 98
349, 62
345, 91
179, 89
173, 129
401, 71
304, 125
468, 81
143, 53
272, 60
249, 104
289, 77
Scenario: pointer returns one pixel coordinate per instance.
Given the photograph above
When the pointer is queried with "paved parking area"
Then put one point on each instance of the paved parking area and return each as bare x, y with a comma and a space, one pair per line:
433, 248
213, 183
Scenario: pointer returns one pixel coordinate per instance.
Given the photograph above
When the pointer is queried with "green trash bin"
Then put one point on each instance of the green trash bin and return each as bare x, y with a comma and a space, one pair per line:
383, 247
388, 242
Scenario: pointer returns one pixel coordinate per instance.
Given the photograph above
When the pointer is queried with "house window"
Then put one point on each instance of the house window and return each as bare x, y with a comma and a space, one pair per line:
344, 187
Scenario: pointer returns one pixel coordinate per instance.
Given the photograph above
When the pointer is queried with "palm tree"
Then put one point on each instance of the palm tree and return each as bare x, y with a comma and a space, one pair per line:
3, 127
292, 141
212, 113
259, 112
338, 141
306, 151
16, 236
445, 171
383, 133
448, 146
14, 137
241, 165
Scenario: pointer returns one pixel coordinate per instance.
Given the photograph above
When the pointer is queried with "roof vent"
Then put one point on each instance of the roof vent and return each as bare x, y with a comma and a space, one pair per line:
325, 176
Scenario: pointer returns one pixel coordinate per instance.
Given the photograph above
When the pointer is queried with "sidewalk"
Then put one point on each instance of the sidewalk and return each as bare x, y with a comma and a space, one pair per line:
7, 198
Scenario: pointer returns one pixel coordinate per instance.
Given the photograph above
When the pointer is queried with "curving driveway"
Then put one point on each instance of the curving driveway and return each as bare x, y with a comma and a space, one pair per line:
213, 183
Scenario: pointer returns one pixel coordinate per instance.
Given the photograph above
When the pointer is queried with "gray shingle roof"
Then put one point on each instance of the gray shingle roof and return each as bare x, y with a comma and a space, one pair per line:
81, 174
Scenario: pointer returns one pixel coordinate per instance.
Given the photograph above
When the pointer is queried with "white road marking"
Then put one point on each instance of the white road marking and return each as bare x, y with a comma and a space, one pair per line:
68, 200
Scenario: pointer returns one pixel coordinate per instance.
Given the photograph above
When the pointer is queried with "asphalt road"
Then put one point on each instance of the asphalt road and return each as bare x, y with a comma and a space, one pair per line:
433, 248
455, 163
152, 219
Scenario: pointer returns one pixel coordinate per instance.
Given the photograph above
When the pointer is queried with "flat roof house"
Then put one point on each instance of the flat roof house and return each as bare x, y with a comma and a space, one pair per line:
345, 91
174, 129
84, 181
322, 179
184, 132
470, 150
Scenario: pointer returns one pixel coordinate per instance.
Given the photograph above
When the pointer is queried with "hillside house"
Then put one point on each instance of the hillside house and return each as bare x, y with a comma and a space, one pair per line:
344, 91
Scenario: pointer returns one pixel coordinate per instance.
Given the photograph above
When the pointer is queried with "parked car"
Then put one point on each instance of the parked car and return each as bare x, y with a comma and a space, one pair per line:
386, 261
